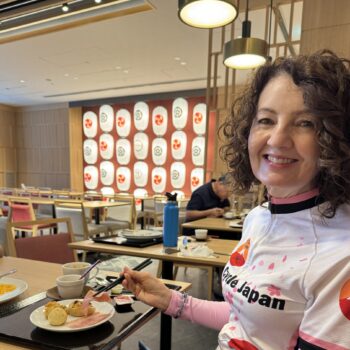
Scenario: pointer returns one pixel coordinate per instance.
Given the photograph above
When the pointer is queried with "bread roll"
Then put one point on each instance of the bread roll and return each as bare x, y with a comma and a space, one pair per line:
50, 306
76, 309
57, 316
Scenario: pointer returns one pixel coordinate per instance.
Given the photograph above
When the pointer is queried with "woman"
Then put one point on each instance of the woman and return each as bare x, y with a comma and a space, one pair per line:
287, 284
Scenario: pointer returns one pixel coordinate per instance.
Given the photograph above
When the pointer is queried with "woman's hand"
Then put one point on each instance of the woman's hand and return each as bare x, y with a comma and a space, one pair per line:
147, 288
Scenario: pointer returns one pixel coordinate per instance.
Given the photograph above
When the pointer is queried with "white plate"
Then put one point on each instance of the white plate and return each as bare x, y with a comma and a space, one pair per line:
21, 287
236, 224
141, 234
37, 317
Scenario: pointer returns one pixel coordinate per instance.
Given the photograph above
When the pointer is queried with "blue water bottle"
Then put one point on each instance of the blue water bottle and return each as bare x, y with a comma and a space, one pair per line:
171, 221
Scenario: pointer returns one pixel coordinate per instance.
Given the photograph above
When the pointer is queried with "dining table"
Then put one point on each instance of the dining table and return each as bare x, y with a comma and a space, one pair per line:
221, 248
17, 332
225, 228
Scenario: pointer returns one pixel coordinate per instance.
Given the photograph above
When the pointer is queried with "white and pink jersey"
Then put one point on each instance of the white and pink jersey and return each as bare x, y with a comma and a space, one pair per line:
287, 283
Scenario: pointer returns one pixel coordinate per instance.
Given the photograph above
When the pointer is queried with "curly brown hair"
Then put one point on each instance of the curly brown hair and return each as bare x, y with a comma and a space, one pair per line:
324, 79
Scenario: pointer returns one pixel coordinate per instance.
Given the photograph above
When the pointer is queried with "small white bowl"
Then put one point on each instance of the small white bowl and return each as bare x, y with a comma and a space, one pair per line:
201, 234
70, 286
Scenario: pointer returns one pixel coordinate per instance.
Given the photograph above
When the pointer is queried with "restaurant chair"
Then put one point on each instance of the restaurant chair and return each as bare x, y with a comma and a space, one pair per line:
50, 248
21, 209
123, 216
153, 210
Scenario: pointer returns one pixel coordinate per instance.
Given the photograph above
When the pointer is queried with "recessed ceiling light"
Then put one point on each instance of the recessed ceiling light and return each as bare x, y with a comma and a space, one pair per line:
22, 81
98, 1
177, 58
66, 74
117, 67
125, 71
183, 63
65, 7
75, 78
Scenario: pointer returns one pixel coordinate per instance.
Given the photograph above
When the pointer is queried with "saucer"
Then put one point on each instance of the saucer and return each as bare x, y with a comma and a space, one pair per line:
53, 293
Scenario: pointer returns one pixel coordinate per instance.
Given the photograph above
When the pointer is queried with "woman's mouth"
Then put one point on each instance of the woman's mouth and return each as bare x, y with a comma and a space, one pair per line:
279, 160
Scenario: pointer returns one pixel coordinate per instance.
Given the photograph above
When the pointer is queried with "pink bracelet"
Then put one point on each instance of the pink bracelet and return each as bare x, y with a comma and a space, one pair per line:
184, 297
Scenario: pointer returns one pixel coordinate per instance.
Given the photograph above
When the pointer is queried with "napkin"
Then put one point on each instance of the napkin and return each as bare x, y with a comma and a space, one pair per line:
199, 250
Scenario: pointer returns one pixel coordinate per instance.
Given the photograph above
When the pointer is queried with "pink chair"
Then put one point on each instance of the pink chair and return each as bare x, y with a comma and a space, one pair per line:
50, 248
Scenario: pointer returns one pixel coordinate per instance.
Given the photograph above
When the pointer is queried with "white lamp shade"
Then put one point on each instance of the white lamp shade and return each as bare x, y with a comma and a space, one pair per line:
198, 150
159, 151
123, 151
106, 115
107, 173
177, 174
107, 191
141, 144
199, 118
141, 116
90, 177
106, 143
90, 124
159, 120
158, 180
123, 122
178, 145
123, 177
180, 113
197, 178
90, 151
140, 174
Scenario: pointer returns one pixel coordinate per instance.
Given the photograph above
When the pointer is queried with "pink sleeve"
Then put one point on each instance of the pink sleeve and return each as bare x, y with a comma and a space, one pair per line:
212, 314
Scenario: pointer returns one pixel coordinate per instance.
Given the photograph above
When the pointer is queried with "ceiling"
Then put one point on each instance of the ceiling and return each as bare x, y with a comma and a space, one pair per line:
141, 53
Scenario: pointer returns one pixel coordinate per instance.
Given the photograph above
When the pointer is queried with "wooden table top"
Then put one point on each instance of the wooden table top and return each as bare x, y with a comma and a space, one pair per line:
40, 276
222, 249
218, 224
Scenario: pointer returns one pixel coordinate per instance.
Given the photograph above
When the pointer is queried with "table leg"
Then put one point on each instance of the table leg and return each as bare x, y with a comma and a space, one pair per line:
97, 216
166, 320
143, 215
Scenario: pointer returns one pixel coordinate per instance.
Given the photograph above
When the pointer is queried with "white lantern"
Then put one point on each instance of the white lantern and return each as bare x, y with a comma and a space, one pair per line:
90, 151
178, 145
90, 124
140, 174
197, 178
141, 145
199, 118
180, 113
159, 151
159, 120
123, 122
90, 177
106, 146
141, 116
198, 147
177, 174
123, 178
106, 114
123, 151
107, 173
158, 180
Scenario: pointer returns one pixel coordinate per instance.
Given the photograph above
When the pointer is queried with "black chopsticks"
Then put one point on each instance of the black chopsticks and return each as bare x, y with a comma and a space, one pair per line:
120, 279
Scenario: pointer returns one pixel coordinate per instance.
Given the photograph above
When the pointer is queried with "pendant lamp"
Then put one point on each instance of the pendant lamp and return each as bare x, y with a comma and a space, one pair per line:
245, 52
207, 13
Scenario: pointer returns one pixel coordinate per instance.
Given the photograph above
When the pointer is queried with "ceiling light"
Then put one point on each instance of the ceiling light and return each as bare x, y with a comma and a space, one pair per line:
245, 52
207, 13
98, 1
65, 7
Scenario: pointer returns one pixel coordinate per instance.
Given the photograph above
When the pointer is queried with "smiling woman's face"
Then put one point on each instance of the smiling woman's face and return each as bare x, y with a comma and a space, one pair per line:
283, 148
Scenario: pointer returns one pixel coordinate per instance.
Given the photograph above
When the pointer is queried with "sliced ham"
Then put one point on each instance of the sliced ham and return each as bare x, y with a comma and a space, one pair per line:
104, 296
87, 321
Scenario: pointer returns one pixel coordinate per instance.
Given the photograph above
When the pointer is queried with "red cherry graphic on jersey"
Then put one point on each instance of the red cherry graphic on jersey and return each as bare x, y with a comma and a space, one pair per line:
344, 299
241, 345
176, 144
158, 119
120, 121
121, 178
198, 117
103, 145
195, 181
239, 256
157, 179
88, 123
87, 177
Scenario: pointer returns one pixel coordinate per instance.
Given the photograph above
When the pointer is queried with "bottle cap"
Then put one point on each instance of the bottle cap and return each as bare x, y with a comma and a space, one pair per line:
171, 197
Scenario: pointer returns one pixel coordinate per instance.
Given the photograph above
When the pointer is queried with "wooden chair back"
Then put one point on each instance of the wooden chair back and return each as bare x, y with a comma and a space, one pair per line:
50, 248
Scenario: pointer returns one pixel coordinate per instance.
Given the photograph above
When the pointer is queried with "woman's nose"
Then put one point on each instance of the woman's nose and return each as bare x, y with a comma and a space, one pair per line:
280, 136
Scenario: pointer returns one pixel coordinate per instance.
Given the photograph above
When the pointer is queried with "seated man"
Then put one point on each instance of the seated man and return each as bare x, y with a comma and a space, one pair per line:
209, 200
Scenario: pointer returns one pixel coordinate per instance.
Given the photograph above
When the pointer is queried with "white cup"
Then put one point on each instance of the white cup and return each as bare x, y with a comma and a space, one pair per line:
201, 234
78, 268
228, 215
70, 286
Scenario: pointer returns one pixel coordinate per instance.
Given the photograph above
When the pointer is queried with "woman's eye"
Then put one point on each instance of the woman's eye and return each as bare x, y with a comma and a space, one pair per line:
265, 121
306, 124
